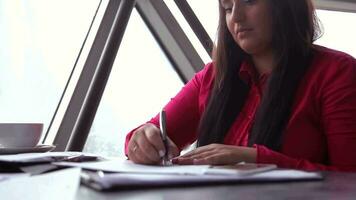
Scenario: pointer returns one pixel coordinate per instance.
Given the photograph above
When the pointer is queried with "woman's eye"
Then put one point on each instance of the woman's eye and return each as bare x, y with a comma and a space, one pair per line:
248, 1
228, 9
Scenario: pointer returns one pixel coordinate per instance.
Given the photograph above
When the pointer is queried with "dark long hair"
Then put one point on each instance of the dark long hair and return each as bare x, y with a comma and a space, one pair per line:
295, 27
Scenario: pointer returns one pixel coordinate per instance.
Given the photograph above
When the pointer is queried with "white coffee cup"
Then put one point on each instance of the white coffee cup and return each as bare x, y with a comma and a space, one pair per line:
20, 135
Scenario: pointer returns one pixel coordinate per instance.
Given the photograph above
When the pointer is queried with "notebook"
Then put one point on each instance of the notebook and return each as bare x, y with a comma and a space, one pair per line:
119, 174
121, 181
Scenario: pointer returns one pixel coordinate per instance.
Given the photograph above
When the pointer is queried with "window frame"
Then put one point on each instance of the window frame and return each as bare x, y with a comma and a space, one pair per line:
78, 118
80, 113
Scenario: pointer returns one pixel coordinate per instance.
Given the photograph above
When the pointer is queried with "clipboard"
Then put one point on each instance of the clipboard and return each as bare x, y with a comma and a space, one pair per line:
129, 181
124, 174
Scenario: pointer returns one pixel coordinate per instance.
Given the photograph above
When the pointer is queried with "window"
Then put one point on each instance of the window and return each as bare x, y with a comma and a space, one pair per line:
141, 82
339, 31
41, 45
40, 42
207, 14
190, 34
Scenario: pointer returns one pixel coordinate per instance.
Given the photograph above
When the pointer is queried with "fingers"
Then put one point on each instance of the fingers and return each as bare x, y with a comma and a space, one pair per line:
212, 147
201, 158
146, 146
146, 149
136, 155
214, 159
140, 148
218, 154
214, 154
153, 137
173, 150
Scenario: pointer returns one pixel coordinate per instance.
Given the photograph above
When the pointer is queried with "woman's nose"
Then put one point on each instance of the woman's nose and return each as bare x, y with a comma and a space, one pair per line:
238, 13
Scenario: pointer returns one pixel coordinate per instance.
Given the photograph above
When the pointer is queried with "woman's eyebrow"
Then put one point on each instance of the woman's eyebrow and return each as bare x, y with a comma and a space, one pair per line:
224, 2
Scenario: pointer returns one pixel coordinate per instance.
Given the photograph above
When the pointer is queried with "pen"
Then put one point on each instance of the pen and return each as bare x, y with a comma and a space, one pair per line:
162, 125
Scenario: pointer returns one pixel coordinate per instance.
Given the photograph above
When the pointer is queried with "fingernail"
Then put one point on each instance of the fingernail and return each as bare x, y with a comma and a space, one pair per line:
170, 156
195, 161
175, 160
161, 153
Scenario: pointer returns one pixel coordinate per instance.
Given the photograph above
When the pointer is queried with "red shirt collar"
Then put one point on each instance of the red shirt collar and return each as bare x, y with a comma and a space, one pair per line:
249, 74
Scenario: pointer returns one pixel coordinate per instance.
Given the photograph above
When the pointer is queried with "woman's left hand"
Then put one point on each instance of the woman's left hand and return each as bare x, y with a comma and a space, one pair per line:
217, 154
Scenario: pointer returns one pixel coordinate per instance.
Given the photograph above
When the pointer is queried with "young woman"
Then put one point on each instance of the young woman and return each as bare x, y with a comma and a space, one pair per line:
269, 96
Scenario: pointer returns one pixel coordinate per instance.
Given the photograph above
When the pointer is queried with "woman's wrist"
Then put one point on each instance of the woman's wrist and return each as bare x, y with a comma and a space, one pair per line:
250, 155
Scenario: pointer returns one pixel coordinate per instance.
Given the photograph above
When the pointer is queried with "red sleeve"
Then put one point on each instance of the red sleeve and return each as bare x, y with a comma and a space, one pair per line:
265, 155
182, 113
338, 117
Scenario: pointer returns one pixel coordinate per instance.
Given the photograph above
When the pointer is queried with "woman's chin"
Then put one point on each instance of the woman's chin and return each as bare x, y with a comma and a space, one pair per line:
248, 49
252, 48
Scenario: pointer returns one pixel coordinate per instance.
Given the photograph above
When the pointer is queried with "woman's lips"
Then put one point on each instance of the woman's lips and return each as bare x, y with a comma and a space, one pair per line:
243, 32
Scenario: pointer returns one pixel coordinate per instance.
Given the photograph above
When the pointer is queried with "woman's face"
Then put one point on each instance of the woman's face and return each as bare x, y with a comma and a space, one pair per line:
250, 24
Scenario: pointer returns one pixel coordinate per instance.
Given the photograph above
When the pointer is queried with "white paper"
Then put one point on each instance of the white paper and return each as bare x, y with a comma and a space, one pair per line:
39, 157
126, 166
5, 176
286, 173
203, 171
57, 185
102, 181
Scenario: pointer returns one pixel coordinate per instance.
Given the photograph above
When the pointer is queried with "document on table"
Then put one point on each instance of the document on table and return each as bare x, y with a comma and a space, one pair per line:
128, 175
62, 184
112, 181
45, 157
126, 166
6, 176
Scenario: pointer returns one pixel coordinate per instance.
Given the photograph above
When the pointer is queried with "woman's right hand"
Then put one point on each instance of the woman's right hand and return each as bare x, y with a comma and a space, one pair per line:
146, 146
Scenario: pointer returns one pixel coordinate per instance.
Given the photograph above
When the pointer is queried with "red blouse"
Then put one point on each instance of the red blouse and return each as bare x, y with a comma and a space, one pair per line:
321, 132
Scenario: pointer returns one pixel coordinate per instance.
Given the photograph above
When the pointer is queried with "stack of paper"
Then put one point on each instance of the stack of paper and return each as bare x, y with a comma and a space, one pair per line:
128, 175
58, 185
125, 166
108, 181
45, 157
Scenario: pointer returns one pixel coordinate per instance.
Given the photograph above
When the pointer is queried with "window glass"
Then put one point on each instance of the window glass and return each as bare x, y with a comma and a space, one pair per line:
142, 81
188, 31
208, 14
339, 31
40, 41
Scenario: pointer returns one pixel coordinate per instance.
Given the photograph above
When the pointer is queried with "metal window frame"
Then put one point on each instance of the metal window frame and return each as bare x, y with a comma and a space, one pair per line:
75, 126
336, 5
195, 25
78, 118
170, 37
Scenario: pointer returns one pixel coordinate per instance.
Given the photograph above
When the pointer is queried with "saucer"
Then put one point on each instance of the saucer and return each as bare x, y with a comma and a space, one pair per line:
39, 148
